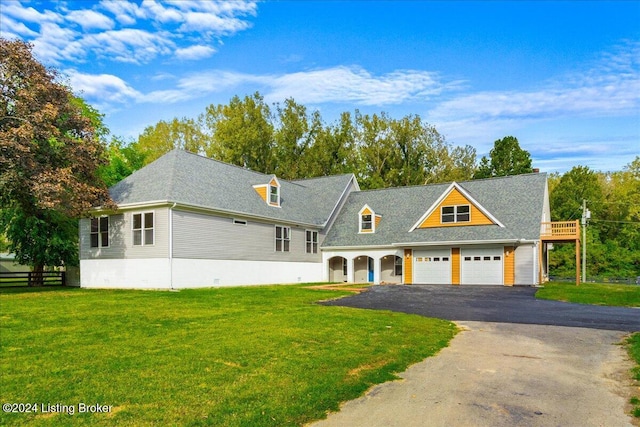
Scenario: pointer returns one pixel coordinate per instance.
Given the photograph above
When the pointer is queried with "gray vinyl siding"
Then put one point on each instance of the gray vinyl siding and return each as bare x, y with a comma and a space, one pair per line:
202, 236
121, 238
524, 265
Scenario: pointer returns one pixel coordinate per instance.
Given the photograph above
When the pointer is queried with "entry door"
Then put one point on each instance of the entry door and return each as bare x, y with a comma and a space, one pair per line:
371, 270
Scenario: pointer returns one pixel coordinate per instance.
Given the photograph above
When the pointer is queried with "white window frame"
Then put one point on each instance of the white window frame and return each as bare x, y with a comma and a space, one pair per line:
371, 223
311, 244
455, 214
143, 229
398, 262
273, 194
285, 238
99, 233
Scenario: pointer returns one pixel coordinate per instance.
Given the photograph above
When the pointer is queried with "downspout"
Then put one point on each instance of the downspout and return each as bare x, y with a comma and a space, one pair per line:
171, 246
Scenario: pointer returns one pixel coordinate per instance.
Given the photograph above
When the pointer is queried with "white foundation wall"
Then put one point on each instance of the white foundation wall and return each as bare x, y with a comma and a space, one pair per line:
151, 273
199, 273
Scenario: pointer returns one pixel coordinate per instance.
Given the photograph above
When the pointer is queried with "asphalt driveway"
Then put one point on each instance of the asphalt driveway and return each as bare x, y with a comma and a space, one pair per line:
518, 361
491, 304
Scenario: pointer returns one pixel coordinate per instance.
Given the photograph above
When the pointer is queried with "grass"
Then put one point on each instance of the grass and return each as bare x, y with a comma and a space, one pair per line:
592, 293
602, 294
633, 345
256, 356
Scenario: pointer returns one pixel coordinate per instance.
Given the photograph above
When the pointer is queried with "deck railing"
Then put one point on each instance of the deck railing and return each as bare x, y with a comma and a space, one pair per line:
561, 229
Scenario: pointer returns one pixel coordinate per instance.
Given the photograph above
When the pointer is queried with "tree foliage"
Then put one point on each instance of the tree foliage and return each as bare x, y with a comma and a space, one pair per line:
613, 233
506, 158
50, 151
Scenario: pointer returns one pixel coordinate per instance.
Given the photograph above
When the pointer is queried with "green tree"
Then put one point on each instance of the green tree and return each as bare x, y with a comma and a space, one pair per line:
123, 160
506, 158
241, 133
292, 138
50, 152
163, 137
332, 151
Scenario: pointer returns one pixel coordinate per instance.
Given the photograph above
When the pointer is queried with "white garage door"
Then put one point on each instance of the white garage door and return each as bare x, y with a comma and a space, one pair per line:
432, 266
481, 266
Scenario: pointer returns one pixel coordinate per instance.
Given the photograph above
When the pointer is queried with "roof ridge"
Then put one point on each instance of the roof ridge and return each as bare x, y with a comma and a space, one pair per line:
222, 163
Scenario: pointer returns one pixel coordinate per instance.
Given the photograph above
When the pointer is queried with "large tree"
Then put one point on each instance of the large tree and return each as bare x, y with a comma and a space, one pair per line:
506, 158
241, 133
49, 156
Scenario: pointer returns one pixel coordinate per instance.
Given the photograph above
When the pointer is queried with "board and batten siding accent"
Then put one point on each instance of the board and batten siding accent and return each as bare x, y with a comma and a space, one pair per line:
121, 237
408, 266
455, 266
202, 236
455, 198
509, 266
525, 273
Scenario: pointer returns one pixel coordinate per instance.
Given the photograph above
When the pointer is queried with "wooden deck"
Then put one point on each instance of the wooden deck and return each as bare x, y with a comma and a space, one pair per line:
568, 231
561, 232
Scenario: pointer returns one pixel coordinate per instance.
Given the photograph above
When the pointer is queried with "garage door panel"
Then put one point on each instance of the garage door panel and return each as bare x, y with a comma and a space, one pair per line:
482, 266
432, 266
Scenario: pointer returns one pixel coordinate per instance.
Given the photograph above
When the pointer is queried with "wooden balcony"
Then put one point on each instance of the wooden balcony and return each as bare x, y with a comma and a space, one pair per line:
560, 231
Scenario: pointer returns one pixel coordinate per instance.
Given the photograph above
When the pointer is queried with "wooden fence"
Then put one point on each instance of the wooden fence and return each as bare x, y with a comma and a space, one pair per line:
25, 278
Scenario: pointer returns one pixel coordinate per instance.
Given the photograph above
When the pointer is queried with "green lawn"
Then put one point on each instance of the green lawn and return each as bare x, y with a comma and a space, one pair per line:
601, 294
253, 356
592, 293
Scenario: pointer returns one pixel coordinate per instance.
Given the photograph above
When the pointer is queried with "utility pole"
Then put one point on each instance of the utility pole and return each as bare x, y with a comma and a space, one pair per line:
586, 216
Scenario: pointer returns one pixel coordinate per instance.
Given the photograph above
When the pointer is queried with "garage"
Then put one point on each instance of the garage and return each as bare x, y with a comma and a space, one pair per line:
481, 266
432, 266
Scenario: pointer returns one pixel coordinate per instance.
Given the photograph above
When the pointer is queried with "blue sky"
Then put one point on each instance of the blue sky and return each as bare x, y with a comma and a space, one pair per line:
563, 77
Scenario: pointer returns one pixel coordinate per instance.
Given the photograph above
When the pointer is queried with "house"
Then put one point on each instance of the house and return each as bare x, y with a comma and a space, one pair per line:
482, 232
189, 221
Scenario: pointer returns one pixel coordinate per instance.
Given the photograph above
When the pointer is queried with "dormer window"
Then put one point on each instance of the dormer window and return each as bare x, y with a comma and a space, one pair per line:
366, 223
270, 192
458, 213
274, 195
368, 220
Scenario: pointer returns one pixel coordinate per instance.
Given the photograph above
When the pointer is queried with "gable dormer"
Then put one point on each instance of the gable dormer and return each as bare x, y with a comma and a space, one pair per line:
368, 220
455, 207
270, 192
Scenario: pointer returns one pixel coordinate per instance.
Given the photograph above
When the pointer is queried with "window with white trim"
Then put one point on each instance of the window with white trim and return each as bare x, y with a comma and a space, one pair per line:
143, 229
398, 266
283, 238
366, 222
274, 195
312, 242
100, 232
457, 213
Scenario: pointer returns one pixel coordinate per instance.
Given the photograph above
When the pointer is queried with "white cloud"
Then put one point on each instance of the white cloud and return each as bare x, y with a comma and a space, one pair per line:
10, 26
124, 12
90, 19
29, 14
195, 52
106, 88
123, 31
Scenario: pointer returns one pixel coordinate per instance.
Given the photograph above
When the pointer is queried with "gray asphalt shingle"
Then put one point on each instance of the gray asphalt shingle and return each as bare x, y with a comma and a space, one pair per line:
516, 201
190, 179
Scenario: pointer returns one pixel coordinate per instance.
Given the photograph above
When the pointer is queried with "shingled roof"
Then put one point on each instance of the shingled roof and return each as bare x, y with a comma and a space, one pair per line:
192, 180
517, 202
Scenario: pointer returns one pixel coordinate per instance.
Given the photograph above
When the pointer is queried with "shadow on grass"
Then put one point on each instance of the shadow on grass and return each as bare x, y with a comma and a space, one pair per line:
32, 289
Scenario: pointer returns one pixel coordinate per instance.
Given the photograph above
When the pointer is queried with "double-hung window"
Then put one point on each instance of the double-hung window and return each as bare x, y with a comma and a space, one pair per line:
274, 195
100, 232
458, 213
398, 266
367, 222
143, 229
312, 242
283, 238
